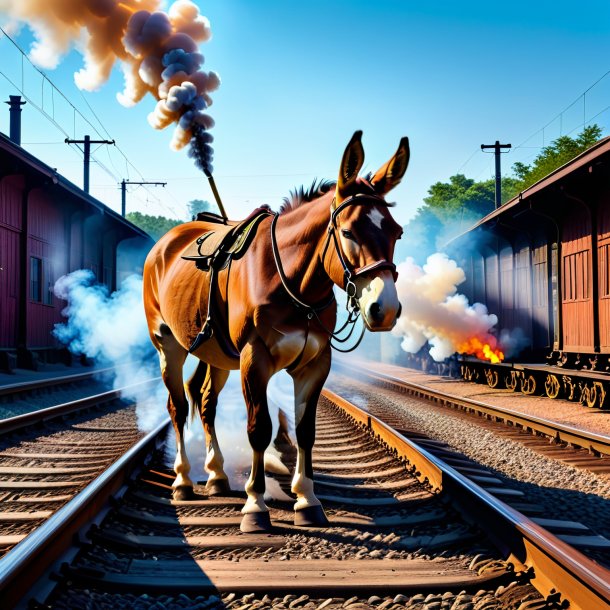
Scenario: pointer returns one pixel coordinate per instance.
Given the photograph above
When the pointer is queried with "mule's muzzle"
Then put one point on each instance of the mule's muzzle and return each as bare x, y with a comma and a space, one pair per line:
379, 318
378, 300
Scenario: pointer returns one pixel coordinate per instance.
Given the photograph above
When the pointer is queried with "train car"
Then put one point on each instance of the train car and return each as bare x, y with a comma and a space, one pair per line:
541, 263
50, 227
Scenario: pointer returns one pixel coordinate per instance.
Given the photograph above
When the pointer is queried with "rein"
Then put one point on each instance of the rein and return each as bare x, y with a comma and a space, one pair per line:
352, 305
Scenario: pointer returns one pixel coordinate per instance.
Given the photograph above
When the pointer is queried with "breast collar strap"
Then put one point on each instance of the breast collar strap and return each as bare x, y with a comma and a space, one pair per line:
310, 309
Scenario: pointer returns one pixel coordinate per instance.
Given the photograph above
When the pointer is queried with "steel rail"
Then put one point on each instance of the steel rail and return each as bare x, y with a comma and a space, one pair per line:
23, 565
554, 566
593, 442
28, 386
19, 422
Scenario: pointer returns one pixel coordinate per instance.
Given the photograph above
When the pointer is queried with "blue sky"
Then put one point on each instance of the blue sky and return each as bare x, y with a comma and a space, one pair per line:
299, 78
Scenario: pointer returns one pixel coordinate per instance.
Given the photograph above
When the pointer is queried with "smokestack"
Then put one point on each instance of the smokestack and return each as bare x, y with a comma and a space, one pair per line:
15, 104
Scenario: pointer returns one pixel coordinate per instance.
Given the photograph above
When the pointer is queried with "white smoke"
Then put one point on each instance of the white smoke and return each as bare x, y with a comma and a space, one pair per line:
434, 312
112, 330
157, 52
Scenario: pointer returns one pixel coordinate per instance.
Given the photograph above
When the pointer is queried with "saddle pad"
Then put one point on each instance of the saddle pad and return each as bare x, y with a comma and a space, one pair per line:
233, 240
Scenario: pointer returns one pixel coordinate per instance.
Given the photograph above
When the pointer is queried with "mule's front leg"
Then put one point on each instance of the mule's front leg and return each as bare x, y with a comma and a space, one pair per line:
308, 383
256, 370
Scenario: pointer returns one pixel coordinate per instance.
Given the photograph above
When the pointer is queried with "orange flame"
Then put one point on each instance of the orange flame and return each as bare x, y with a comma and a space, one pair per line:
475, 347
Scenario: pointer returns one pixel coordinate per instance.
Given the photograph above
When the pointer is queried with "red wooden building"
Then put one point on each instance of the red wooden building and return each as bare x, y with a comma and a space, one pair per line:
49, 227
541, 262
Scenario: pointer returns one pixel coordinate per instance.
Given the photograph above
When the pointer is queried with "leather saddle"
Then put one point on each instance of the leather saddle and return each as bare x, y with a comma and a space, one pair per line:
229, 241
213, 251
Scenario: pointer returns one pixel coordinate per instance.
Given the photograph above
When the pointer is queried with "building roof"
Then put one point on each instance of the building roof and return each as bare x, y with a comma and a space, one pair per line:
589, 156
36, 164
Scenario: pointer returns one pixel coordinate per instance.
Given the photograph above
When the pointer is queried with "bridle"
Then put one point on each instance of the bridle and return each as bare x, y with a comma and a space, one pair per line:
349, 273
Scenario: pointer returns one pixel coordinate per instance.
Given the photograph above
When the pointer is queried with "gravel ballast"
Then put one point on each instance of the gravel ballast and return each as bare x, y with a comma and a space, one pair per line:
563, 491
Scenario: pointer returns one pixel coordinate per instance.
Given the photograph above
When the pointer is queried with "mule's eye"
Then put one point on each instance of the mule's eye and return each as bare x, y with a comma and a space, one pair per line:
347, 233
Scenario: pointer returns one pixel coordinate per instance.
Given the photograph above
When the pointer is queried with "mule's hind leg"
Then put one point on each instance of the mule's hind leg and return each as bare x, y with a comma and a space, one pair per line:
308, 383
203, 388
256, 370
171, 357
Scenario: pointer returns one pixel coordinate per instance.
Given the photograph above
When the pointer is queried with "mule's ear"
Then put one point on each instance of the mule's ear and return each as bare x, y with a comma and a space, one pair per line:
352, 161
388, 176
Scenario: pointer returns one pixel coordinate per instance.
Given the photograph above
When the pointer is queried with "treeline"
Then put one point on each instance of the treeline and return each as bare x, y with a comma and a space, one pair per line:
452, 207
157, 226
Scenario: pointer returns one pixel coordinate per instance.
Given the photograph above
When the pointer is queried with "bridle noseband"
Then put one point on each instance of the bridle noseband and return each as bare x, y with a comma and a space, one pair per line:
349, 274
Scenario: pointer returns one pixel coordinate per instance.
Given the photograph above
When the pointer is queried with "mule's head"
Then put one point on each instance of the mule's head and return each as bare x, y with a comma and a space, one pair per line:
367, 233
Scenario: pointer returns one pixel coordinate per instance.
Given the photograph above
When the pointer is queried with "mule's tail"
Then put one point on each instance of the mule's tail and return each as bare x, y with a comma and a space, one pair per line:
194, 390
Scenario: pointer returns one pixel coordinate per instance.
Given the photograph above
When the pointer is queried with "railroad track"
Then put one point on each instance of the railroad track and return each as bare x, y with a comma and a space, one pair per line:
26, 387
24, 397
499, 456
50, 455
405, 530
579, 448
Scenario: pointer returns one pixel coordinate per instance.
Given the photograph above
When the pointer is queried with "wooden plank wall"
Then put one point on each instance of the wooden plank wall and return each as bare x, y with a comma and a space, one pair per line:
577, 289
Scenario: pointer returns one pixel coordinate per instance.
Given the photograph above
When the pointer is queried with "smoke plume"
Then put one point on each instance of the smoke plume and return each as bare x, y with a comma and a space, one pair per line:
112, 330
434, 312
157, 51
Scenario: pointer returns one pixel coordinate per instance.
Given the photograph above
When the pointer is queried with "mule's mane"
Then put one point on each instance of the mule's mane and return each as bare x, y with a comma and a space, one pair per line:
300, 195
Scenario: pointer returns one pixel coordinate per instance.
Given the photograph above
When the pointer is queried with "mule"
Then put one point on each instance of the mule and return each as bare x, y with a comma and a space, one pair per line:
277, 310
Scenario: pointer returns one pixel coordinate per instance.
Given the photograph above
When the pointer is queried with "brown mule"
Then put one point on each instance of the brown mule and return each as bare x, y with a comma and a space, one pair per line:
276, 309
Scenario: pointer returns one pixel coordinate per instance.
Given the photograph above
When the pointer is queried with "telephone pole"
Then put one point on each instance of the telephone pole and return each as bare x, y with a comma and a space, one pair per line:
124, 184
497, 146
87, 151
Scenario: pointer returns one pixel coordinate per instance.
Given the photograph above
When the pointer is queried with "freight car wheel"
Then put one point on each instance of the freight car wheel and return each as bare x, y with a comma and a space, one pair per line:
492, 378
552, 386
510, 381
528, 384
594, 395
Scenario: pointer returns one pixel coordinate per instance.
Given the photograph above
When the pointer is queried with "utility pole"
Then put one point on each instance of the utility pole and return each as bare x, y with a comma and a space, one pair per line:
87, 142
497, 146
124, 184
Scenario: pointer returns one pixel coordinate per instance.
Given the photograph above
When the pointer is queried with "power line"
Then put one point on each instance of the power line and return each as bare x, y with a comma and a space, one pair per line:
549, 123
560, 115
124, 184
87, 141
75, 111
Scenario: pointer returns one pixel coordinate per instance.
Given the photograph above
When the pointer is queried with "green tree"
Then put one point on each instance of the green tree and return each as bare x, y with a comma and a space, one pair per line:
155, 226
558, 153
197, 205
463, 197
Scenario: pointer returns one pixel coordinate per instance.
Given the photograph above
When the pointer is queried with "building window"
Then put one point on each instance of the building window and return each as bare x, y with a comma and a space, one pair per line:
49, 281
36, 279
576, 276
604, 272
41, 281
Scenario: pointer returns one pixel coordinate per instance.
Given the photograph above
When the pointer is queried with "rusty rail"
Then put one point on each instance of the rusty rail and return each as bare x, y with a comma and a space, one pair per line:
593, 442
554, 565
38, 384
19, 422
21, 567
